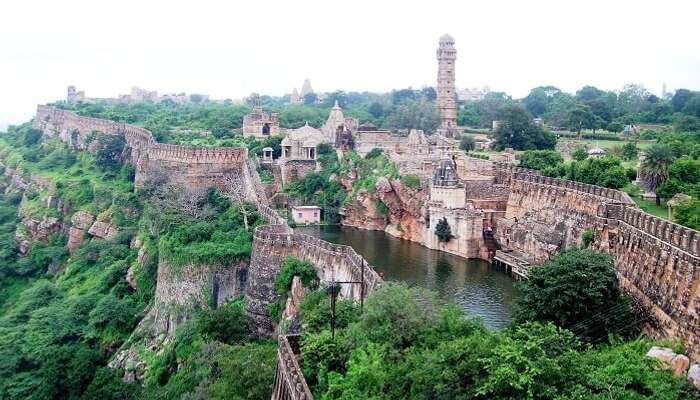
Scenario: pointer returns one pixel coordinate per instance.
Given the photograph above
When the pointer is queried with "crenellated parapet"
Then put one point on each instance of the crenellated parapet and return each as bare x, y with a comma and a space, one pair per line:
195, 167
197, 155
658, 261
273, 243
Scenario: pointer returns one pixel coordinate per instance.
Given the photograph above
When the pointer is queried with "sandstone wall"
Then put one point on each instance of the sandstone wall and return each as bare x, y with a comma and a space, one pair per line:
294, 170
194, 167
273, 243
658, 262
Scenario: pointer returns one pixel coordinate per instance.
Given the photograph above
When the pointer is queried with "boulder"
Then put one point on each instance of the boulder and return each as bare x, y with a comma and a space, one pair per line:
694, 375
103, 230
678, 363
131, 277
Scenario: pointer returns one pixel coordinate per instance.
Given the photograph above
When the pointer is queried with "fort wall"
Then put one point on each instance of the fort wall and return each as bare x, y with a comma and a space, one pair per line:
272, 244
194, 167
658, 262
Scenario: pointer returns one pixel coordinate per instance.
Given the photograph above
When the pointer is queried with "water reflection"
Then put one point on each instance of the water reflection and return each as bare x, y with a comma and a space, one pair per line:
473, 284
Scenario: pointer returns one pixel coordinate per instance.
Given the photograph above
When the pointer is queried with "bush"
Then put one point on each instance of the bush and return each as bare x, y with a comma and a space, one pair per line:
579, 154
443, 231
109, 151
227, 324
576, 290
540, 159
466, 143
411, 181
374, 153
294, 267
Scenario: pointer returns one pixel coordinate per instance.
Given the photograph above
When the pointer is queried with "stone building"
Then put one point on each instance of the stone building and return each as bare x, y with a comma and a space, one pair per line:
299, 150
74, 96
337, 119
260, 124
446, 187
446, 91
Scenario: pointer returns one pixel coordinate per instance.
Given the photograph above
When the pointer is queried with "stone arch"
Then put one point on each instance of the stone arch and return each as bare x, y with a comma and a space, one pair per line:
266, 129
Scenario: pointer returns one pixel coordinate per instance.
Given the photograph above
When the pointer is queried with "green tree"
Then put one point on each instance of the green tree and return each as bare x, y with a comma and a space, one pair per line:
579, 154
538, 101
109, 150
540, 159
576, 290
443, 231
580, 118
629, 151
227, 324
680, 98
519, 132
294, 267
414, 114
466, 143
654, 167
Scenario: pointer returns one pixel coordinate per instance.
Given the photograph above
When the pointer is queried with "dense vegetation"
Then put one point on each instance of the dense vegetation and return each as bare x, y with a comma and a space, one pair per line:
325, 190
65, 316
407, 345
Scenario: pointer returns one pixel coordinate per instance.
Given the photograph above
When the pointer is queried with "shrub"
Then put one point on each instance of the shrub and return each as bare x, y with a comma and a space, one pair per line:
227, 324
577, 290
443, 231
411, 181
374, 153
294, 267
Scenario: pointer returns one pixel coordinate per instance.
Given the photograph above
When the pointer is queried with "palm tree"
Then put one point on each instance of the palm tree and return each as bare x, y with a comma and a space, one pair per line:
654, 167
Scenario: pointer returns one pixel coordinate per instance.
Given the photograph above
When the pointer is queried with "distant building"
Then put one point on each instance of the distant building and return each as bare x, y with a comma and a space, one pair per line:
472, 94
297, 97
596, 152
306, 214
260, 124
136, 95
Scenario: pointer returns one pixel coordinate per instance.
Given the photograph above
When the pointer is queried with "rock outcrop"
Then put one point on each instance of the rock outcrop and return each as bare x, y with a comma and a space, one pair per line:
36, 230
392, 207
80, 224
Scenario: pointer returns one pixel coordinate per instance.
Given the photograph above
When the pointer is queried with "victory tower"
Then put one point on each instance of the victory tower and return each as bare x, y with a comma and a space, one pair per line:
446, 55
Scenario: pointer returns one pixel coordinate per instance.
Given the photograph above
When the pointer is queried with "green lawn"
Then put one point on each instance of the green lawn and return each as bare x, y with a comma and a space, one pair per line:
607, 144
647, 205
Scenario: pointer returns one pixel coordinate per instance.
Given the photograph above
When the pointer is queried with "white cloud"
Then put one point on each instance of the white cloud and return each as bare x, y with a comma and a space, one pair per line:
228, 49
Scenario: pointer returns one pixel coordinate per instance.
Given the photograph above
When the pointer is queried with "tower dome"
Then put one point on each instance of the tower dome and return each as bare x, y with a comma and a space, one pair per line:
446, 38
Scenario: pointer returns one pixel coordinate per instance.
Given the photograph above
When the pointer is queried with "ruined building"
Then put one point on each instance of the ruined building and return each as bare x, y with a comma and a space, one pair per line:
446, 91
260, 124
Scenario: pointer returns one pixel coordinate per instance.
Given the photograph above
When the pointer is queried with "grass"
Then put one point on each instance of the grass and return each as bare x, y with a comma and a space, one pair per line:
647, 205
608, 144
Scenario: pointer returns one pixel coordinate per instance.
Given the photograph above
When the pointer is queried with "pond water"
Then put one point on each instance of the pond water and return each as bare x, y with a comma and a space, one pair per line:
478, 288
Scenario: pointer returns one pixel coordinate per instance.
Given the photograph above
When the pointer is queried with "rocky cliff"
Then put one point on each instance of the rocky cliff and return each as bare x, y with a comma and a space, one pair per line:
393, 207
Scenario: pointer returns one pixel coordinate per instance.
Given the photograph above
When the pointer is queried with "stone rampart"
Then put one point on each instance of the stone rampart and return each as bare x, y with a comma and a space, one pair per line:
658, 262
195, 167
272, 244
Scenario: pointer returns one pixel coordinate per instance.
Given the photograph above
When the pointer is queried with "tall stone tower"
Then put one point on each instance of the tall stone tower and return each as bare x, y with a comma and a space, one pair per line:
446, 92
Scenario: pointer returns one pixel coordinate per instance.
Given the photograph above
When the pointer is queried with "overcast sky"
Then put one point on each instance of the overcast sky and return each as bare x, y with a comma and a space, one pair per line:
229, 49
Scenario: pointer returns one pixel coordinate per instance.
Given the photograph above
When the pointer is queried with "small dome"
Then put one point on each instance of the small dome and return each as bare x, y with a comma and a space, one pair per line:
596, 151
446, 39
